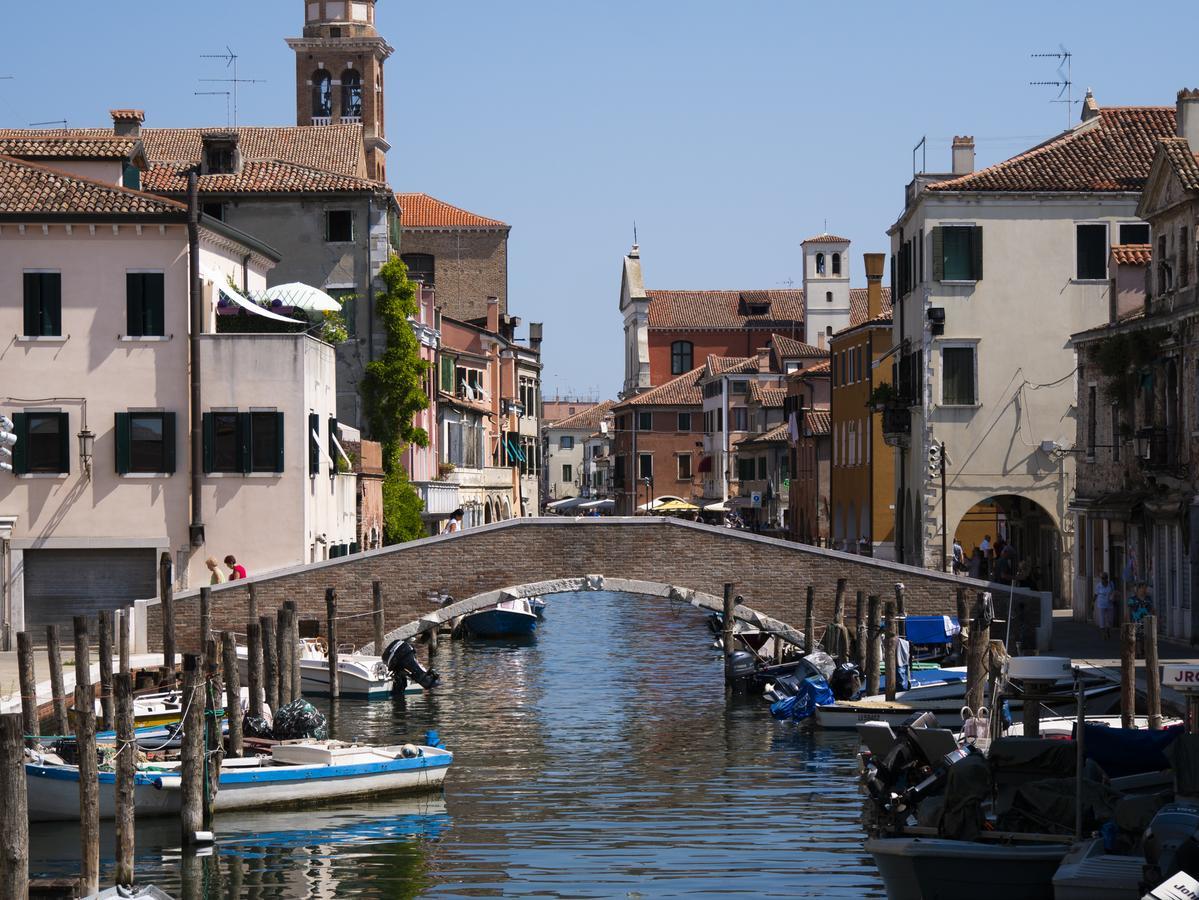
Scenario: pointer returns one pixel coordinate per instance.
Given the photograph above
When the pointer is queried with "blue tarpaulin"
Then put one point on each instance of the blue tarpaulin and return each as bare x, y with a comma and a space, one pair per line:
932, 629
813, 691
1129, 751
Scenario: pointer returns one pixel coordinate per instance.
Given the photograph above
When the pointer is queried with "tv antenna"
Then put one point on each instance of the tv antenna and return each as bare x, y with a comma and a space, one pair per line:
62, 122
1064, 82
230, 59
226, 94
634, 232
922, 146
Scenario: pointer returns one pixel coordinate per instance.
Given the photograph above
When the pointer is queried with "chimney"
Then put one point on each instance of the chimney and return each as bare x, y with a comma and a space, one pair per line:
1186, 117
127, 122
963, 154
1090, 109
493, 315
535, 336
874, 279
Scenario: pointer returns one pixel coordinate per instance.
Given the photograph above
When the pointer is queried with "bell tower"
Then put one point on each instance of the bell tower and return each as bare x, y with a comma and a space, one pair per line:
339, 73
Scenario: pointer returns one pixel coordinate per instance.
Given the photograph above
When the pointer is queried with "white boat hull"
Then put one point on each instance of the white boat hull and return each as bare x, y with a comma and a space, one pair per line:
359, 678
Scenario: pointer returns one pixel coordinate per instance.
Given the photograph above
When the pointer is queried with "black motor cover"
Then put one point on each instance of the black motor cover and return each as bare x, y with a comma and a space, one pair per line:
400, 659
846, 681
1172, 843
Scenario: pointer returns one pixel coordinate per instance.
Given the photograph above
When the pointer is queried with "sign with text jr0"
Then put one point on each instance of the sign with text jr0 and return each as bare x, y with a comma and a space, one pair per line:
1181, 678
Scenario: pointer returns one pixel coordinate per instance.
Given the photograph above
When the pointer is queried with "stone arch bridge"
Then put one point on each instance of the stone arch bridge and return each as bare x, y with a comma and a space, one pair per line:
659, 557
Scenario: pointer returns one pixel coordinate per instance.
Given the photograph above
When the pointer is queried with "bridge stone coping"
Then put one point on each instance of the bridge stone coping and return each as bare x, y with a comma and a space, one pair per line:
585, 583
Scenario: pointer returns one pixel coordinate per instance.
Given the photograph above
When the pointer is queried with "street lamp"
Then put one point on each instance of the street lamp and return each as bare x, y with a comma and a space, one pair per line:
86, 440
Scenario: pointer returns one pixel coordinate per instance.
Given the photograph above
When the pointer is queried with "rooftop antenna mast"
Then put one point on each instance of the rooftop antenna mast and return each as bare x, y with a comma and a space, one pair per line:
62, 122
230, 59
634, 232
226, 94
922, 146
1064, 82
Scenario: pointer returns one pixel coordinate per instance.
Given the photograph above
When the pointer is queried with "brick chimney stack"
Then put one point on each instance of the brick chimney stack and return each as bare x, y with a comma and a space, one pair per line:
493, 315
963, 154
874, 283
1186, 117
1090, 109
127, 122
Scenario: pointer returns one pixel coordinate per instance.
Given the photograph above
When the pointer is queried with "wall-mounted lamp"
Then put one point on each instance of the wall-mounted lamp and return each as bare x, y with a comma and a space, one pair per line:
86, 440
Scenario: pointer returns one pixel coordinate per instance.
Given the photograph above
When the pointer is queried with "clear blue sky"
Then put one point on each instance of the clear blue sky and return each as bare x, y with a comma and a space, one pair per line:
728, 130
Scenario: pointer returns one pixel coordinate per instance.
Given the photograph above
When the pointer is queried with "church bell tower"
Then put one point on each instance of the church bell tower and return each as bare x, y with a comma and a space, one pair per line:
339, 73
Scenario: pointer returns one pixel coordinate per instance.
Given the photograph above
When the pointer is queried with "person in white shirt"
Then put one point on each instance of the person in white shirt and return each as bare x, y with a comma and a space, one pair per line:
455, 522
1105, 604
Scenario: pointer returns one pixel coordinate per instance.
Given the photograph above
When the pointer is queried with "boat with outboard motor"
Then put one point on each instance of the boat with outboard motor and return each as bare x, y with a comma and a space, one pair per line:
363, 676
293, 773
508, 618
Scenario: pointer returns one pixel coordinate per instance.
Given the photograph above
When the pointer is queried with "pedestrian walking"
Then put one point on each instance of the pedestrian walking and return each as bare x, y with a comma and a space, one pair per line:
217, 576
1105, 604
1140, 606
455, 522
236, 571
959, 557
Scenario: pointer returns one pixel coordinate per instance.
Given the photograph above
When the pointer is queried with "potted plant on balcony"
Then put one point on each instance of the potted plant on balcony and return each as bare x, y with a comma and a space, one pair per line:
444, 470
882, 396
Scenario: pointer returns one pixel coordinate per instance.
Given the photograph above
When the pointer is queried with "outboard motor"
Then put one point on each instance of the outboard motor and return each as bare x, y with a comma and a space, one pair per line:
742, 669
400, 658
1172, 844
846, 681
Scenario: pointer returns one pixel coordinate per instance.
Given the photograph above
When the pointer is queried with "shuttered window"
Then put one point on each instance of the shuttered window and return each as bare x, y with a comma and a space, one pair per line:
243, 442
43, 443
1091, 246
266, 441
334, 452
43, 304
958, 253
957, 376
144, 302
314, 444
145, 443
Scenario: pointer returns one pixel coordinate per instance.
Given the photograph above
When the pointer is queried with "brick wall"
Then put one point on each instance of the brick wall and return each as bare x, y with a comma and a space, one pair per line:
470, 267
771, 575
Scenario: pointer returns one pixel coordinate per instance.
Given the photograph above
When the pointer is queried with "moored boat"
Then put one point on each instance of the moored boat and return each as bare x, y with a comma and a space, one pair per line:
296, 773
508, 618
363, 677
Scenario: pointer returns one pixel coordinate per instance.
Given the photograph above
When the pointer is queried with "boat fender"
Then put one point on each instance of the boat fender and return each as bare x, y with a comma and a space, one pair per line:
433, 739
410, 751
157, 782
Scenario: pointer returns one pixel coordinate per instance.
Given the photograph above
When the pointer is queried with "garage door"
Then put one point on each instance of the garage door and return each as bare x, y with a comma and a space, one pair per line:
61, 584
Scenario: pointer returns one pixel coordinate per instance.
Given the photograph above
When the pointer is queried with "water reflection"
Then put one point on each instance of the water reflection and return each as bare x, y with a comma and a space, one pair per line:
603, 759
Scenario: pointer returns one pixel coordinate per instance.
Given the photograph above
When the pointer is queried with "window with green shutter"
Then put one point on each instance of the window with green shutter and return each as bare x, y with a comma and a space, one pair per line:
314, 444
43, 304
447, 375
43, 443
334, 452
1091, 247
266, 441
144, 304
958, 253
223, 445
145, 443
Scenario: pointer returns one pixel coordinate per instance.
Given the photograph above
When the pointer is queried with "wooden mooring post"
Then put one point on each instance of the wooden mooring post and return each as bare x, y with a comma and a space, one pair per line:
726, 632
192, 789
976, 655
89, 789
872, 647
254, 666
959, 645
295, 690
377, 608
433, 635
1153, 675
105, 629
892, 663
331, 626
57, 691
205, 633
839, 602
27, 681
126, 767
860, 627
125, 639
14, 809
233, 691
83, 654
1128, 674
214, 751
901, 621
809, 620
166, 594
252, 612
270, 661
284, 658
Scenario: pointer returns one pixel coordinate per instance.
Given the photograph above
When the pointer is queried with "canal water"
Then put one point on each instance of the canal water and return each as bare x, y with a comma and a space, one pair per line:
601, 759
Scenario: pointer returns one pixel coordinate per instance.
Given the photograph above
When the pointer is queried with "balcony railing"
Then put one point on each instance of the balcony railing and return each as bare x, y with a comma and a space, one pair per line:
322, 120
897, 426
440, 497
1157, 448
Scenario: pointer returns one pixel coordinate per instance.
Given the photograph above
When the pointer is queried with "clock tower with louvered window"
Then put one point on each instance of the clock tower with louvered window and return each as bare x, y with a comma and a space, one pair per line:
339, 73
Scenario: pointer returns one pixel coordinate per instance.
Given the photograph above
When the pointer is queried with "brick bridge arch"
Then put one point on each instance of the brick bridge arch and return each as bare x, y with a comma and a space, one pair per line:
657, 553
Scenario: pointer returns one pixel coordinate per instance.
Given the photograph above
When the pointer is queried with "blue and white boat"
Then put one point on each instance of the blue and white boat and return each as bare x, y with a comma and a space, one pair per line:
508, 618
537, 604
296, 773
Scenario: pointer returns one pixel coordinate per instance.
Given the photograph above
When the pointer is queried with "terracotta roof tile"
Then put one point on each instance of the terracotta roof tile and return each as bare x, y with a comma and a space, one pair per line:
260, 176
859, 305
683, 390
423, 211
1183, 160
825, 238
28, 188
1132, 254
789, 348
730, 310
585, 419
36, 145
731, 365
821, 368
817, 421
779, 433
770, 396
1112, 152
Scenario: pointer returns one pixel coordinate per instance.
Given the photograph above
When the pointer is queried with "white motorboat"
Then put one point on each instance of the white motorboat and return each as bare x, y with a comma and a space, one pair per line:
363, 677
295, 773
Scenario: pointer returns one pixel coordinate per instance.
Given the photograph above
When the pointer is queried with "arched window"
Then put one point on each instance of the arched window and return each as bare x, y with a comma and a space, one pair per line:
680, 357
421, 266
322, 94
819, 263
836, 263
828, 296
829, 330
351, 94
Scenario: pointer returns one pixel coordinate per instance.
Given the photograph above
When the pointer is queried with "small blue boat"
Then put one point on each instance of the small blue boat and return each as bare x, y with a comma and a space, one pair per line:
508, 618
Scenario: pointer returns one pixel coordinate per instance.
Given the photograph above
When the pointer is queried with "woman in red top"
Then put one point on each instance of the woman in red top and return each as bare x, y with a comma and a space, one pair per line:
235, 571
